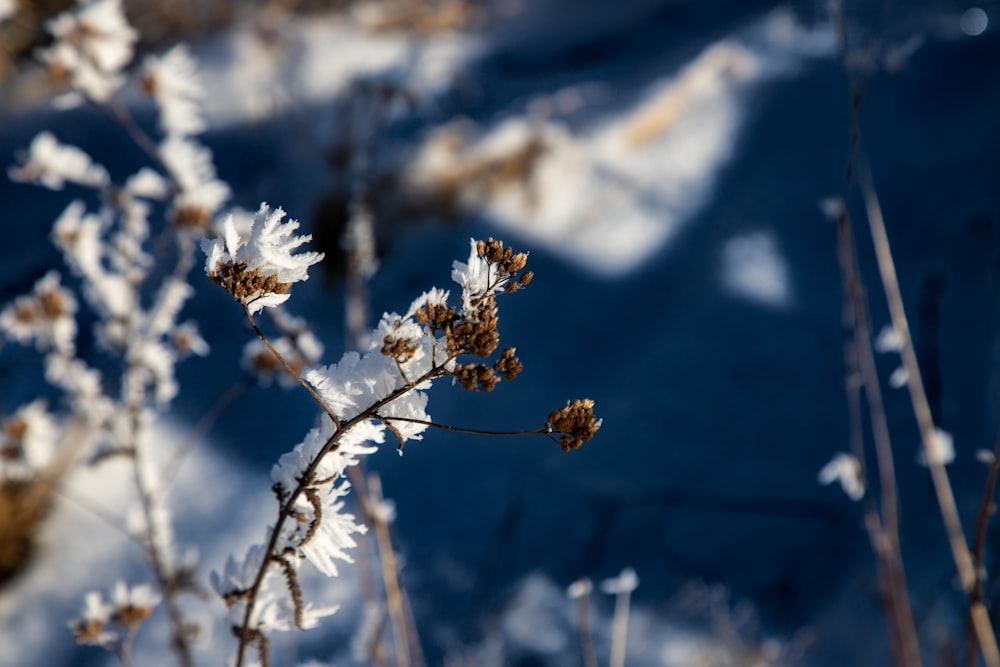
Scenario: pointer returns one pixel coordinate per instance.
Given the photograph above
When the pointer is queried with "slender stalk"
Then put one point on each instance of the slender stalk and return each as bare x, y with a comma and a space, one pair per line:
619, 629
987, 509
308, 387
883, 525
457, 429
587, 653
390, 575
161, 570
939, 475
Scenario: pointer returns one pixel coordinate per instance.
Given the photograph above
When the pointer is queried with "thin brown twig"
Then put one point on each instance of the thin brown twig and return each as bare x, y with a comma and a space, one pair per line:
458, 429
390, 575
882, 525
277, 355
987, 508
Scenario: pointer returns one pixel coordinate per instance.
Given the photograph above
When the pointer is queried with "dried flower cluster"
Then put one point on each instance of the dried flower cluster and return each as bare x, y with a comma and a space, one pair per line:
102, 623
576, 423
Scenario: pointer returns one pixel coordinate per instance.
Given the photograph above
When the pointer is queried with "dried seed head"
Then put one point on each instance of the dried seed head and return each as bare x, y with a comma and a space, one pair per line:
192, 217
476, 377
131, 614
574, 423
508, 365
400, 349
90, 631
245, 284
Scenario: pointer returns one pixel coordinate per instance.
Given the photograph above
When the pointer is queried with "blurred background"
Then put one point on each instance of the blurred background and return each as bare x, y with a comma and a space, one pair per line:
663, 162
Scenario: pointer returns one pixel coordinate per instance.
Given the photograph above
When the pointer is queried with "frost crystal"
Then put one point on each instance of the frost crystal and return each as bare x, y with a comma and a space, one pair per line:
477, 277
626, 582
845, 469
27, 442
259, 270
46, 316
172, 80
91, 45
200, 193
940, 449
53, 164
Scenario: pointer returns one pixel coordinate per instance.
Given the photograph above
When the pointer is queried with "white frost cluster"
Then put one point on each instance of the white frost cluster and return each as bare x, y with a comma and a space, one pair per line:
626, 582
172, 80
27, 442
477, 276
940, 449
191, 167
46, 317
52, 164
91, 45
269, 249
127, 606
846, 470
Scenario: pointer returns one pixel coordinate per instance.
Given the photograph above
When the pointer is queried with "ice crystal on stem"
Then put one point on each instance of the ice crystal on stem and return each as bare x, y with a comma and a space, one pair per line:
846, 470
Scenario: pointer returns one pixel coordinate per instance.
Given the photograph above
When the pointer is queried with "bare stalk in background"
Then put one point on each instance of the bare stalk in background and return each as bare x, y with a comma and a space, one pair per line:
581, 589
964, 562
882, 523
987, 509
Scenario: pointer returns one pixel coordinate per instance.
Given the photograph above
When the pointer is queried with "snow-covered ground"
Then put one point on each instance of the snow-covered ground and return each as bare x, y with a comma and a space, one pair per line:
663, 163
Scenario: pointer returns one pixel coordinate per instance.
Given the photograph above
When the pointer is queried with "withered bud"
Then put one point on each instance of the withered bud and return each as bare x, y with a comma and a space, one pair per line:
574, 423
476, 377
508, 365
192, 217
131, 614
400, 349
88, 632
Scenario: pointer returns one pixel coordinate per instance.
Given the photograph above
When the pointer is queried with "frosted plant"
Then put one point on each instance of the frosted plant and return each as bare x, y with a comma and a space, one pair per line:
171, 79
46, 317
114, 624
365, 396
91, 46
27, 442
53, 164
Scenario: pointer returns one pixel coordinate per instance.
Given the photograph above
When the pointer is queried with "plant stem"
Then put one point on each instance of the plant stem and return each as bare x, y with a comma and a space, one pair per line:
619, 629
308, 387
939, 475
883, 526
308, 475
390, 576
